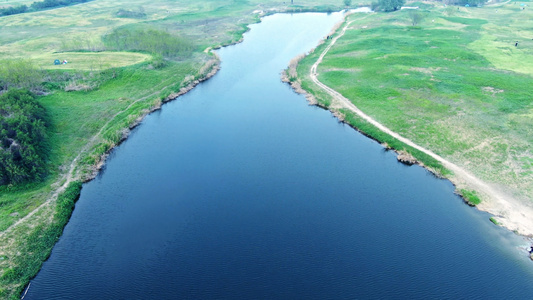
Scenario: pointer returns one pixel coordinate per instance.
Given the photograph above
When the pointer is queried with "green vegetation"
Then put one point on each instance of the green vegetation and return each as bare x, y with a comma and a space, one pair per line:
36, 248
152, 40
387, 5
416, 17
37, 6
455, 84
22, 138
89, 61
92, 101
471, 197
20, 73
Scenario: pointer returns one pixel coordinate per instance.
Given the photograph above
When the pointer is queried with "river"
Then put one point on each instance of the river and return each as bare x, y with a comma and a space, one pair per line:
240, 190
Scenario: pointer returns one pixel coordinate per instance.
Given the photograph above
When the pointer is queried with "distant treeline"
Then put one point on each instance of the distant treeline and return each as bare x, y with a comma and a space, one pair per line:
152, 40
22, 137
38, 5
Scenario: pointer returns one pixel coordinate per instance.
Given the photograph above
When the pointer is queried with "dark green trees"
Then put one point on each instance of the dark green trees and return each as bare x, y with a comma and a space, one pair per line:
388, 5
22, 137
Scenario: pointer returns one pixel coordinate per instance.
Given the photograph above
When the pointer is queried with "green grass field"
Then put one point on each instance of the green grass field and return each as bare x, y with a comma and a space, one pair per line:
97, 95
455, 84
89, 60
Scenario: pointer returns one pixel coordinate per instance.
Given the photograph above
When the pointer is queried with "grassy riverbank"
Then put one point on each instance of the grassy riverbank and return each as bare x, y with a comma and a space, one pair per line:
455, 84
94, 99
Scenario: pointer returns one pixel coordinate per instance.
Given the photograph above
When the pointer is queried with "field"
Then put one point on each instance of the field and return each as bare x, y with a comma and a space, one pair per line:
454, 83
89, 60
94, 99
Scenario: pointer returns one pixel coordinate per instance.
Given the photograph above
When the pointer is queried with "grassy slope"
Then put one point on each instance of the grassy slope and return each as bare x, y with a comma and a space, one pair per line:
79, 117
456, 85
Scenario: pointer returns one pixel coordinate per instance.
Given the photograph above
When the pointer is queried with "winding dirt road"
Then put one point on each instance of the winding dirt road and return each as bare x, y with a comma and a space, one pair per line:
510, 213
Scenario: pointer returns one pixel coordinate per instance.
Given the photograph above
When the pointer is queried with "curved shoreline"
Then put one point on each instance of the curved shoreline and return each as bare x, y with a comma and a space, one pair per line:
509, 212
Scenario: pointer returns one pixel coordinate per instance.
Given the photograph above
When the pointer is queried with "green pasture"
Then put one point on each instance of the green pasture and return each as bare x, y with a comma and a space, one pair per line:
89, 60
455, 83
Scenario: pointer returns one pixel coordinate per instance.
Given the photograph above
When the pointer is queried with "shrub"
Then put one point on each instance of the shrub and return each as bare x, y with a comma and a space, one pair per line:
388, 5
416, 17
22, 138
470, 197
19, 73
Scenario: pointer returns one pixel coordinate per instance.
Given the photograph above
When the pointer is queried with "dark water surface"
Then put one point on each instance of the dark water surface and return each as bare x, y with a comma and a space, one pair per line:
240, 190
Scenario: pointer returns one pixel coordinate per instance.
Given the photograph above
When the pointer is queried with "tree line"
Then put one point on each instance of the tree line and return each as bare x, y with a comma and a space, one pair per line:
154, 41
23, 147
38, 5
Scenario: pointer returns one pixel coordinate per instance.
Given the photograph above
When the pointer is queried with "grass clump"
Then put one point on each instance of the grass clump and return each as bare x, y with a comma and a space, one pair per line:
470, 197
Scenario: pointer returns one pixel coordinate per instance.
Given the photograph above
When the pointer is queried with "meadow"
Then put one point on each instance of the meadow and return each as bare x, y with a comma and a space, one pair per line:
455, 84
94, 99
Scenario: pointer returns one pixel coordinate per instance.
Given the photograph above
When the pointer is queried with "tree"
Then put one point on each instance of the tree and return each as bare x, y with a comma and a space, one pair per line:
416, 17
23, 145
390, 5
347, 2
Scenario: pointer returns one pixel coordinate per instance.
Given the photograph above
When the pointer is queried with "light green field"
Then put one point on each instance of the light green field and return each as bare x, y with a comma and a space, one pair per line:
89, 60
456, 85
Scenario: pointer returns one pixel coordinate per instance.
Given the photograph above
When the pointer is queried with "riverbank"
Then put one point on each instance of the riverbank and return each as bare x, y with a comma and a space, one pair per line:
89, 124
43, 225
511, 212
239, 174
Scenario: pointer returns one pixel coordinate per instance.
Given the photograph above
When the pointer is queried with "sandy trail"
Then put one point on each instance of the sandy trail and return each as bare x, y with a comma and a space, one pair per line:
510, 212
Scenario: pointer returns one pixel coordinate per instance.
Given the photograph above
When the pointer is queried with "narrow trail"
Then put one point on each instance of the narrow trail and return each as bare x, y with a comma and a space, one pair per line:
71, 176
511, 213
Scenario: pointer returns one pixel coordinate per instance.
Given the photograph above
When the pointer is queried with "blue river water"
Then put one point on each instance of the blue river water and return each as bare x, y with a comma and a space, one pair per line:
240, 190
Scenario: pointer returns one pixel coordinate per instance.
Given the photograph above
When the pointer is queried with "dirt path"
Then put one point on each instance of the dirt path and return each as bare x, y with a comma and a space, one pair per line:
71, 175
510, 212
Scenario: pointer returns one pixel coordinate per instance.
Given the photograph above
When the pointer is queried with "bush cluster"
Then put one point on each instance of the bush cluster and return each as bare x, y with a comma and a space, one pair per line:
22, 137
387, 5
20, 74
